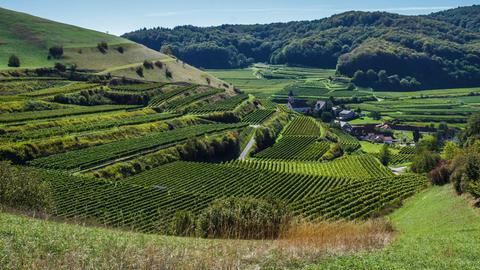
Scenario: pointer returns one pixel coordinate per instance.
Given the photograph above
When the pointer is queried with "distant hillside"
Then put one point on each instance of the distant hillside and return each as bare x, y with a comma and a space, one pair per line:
30, 38
466, 17
401, 52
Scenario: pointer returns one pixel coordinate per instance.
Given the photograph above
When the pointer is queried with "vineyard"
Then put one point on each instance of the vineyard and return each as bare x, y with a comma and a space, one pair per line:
303, 125
81, 159
257, 117
355, 166
137, 166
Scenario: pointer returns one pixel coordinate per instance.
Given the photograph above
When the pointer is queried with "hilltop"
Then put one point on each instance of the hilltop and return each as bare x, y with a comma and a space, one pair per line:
30, 38
416, 52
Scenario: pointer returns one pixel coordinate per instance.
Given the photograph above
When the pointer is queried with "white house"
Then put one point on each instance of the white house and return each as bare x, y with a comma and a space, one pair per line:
346, 115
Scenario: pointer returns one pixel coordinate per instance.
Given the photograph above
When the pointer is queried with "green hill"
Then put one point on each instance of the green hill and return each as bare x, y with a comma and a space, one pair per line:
415, 52
30, 38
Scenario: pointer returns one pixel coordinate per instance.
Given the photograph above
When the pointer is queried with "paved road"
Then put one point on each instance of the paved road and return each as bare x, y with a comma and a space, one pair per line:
245, 151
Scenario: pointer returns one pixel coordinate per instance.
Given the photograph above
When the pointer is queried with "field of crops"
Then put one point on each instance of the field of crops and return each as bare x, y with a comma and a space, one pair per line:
303, 126
66, 143
257, 117
228, 104
355, 166
84, 158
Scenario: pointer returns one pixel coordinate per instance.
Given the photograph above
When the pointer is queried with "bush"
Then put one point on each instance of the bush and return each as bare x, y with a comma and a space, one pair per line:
159, 64
121, 49
183, 224
102, 47
440, 175
385, 155
425, 161
168, 74
148, 64
56, 52
22, 188
139, 71
60, 67
13, 61
243, 218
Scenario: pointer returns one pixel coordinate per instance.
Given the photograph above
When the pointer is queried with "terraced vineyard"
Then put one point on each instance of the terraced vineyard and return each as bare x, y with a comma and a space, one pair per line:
89, 126
81, 159
356, 166
360, 199
287, 147
346, 140
228, 104
148, 201
257, 117
138, 153
302, 125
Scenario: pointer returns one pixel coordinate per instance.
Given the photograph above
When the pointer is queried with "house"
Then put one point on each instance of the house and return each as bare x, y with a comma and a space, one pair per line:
320, 105
346, 115
345, 126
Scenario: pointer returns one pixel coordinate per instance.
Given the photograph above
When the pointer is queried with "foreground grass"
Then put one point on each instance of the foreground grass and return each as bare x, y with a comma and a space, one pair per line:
27, 243
439, 230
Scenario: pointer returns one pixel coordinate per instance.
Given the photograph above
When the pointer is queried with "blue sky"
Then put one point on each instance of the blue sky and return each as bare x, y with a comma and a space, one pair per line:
120, 16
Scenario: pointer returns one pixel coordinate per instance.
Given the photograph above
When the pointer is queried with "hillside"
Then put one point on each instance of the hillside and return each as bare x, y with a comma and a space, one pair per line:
448, 53
453, 244
30, 38
465, 17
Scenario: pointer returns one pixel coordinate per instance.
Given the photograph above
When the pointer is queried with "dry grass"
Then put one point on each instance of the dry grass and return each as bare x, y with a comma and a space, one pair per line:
48, 245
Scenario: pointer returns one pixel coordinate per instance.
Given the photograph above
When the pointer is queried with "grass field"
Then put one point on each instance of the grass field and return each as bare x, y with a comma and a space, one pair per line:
437, 230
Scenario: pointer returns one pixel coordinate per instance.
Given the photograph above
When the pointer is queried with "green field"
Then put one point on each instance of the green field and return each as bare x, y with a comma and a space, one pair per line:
437, 230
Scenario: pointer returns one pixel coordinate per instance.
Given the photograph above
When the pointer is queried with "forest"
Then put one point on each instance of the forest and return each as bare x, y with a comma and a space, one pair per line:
440, 50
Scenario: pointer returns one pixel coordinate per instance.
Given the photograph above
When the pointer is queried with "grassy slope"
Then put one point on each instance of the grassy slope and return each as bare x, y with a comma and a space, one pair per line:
30, 37
439, 231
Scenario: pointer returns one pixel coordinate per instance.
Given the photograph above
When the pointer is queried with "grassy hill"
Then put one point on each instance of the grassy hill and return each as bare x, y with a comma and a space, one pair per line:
30, 38
437, 230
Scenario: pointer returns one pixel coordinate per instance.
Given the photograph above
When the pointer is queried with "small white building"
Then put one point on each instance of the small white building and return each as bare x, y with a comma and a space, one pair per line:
346, 115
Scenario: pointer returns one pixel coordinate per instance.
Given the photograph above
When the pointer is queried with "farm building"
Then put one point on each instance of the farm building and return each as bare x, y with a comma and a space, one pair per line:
346, 115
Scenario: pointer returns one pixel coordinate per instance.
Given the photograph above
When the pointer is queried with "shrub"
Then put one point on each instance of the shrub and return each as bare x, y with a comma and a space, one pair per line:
22, 188
243, 218
13, 61
56, 52
168, 74
159, 64
385, 155
102, 47
439, 175
148, 64
60, 67
425, 161
183, 224
120, 49
139, 71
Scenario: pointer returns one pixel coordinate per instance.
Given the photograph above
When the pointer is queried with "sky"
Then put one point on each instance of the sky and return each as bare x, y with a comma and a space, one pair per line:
119, 16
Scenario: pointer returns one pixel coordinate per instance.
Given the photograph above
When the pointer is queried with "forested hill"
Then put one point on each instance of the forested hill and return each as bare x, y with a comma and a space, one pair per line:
379, 49
466, 17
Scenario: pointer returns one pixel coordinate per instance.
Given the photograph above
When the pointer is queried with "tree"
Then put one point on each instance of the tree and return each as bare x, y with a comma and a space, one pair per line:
56, 52
416, 135
425, 161
139, 71
385, 155
375, 115
13, 61
60, 67
326, 117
